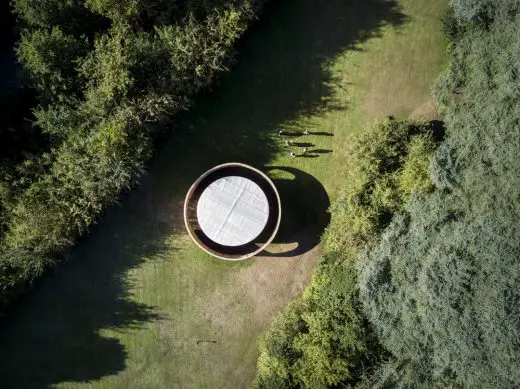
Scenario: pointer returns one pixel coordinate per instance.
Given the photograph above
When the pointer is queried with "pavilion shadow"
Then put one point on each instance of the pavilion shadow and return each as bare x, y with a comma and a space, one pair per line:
305, 205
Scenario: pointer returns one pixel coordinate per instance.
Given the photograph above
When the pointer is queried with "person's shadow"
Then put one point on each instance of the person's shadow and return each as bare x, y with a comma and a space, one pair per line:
302, 144
321, 133
320, 151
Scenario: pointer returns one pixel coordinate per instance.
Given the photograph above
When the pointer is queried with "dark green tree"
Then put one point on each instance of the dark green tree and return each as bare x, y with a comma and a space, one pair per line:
109, 74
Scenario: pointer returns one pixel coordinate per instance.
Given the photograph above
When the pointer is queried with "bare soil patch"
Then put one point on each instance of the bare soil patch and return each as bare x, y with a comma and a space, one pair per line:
427, 110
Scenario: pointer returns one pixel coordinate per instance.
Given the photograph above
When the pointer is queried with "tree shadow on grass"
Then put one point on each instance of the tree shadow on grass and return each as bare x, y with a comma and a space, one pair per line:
55, 334
283, 72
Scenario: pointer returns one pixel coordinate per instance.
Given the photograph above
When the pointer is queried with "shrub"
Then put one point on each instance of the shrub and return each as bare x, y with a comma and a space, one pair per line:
50, 59
385, 165
323, 339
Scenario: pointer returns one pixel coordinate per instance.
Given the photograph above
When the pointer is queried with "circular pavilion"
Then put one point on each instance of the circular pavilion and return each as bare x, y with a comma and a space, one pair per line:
232, 211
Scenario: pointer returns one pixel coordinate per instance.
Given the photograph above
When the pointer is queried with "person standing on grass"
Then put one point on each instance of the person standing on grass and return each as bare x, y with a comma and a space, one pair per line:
280, 133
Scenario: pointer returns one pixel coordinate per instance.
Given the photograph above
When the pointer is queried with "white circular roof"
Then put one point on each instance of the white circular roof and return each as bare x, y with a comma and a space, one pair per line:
232, 211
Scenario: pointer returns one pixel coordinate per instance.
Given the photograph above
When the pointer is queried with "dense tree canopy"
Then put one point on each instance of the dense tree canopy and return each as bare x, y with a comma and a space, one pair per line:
442, 285
108, 75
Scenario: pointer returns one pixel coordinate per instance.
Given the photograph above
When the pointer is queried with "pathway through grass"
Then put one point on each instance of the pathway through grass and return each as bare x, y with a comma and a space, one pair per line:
136, 303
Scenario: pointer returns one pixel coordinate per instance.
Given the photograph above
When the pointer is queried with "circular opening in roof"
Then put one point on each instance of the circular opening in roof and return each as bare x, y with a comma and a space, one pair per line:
233, 211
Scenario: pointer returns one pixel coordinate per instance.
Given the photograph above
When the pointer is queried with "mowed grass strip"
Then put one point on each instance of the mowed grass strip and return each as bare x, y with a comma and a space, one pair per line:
138, 305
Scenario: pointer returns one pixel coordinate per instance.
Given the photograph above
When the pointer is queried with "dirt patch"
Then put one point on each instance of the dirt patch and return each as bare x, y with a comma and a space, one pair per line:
267, 285
271, 282
426, 110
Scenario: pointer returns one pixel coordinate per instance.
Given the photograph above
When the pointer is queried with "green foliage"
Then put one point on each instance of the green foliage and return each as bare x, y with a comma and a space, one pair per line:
450, 25
323, 339
17, 267
441, 286
109, 74
278, 353
484, 11
50, 58
107, 69
70, 16
46, 13
413, 176
335, 343
116, 10
87, 174
385, 164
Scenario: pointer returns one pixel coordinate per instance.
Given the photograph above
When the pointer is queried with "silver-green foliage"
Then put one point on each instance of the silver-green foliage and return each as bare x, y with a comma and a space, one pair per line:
442, 285
483, 11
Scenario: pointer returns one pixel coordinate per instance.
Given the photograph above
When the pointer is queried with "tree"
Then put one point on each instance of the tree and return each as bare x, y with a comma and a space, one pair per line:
109, 75
50, 59
441, 286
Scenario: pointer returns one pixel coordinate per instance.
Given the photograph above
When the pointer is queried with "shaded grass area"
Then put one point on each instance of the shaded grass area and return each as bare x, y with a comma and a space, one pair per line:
136, 298
8, 65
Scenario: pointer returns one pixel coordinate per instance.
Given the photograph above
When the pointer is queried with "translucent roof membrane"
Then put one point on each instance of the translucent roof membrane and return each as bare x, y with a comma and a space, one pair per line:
232, 211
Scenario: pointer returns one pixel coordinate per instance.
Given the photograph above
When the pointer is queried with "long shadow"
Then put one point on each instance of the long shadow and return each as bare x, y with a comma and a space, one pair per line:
52, 335
307, 156
320, 151
302, 144
322, 133
55, 334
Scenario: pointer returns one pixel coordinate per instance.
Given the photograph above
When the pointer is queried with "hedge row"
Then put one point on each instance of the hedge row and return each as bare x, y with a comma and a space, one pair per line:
109, 76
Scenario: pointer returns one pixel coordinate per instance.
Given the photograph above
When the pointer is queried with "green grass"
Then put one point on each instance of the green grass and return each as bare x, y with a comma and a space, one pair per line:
128, 307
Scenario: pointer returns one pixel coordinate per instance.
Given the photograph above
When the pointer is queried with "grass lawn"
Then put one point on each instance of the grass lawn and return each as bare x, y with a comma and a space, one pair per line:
136, 298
